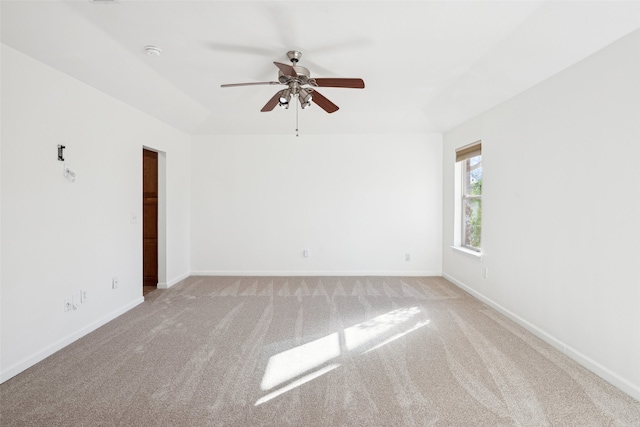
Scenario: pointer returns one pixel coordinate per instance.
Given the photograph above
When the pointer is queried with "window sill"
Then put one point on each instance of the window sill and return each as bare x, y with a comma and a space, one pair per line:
466, 251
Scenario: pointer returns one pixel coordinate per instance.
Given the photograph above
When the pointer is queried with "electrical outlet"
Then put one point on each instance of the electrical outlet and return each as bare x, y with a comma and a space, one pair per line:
83, 296
114, 282
485, 272
407, 257
305, 253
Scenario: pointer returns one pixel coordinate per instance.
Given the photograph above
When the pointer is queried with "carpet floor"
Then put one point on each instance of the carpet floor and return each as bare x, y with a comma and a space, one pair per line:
312, 351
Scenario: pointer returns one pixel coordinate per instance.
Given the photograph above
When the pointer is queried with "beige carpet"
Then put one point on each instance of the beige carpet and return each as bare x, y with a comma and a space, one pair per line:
311, 351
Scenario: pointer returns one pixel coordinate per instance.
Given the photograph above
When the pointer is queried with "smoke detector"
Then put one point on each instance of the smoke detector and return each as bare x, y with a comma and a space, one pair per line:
153, 50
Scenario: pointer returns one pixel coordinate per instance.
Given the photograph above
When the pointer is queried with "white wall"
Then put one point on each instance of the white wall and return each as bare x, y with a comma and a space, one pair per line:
60, 237
358, 203
177, 149
561, 211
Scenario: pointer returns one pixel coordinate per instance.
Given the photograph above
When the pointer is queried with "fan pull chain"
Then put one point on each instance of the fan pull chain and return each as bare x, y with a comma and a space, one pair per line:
297, 118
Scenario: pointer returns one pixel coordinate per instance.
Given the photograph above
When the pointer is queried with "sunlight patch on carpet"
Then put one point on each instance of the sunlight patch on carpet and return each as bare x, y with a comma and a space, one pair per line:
299, 365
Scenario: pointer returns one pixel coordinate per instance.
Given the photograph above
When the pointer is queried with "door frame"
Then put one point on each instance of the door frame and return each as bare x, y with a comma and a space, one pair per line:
162, 215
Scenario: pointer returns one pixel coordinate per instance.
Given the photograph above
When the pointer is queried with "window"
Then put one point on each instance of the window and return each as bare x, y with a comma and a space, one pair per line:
470, 158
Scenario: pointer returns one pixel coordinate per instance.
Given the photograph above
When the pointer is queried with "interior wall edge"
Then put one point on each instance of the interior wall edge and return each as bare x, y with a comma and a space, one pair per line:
603, 372
60, 344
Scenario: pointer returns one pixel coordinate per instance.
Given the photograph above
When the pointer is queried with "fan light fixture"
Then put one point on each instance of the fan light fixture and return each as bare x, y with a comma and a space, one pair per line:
285, 97
304, 96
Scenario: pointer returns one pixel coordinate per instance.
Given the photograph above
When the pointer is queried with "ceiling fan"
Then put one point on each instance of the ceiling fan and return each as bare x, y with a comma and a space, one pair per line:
298, 79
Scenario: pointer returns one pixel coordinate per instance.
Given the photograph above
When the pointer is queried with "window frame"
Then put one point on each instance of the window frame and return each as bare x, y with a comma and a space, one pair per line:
462, 196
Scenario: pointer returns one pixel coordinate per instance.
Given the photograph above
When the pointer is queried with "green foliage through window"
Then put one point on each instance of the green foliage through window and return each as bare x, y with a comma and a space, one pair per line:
472, 203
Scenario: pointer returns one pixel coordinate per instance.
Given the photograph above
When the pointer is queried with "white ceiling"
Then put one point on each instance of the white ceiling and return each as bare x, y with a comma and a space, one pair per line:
427, 65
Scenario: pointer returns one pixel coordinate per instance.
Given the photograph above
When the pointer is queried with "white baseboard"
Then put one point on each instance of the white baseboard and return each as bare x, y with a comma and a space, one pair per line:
58, 345
173, 281
417, 273
598, 369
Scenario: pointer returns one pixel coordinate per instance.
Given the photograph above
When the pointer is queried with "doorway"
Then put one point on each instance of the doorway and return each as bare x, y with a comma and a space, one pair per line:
149, 221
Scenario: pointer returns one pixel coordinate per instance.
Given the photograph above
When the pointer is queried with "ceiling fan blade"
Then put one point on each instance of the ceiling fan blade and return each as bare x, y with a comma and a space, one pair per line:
286, 69
338, 82
272, 103
249, 84
323, 102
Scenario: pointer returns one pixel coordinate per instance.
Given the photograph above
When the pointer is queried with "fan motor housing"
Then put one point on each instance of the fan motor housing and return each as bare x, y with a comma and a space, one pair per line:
303, 75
